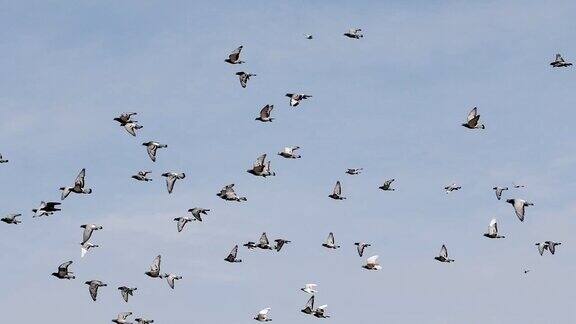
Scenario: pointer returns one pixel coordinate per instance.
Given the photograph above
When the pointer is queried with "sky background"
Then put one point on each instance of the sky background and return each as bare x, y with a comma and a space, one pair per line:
391, 103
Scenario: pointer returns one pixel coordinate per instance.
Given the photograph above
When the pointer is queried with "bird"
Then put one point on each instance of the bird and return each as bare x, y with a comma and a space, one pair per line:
244, 77
125, 120
354, 171
141, 176
443, 256
197, 212
387, 185
319, 312
372, 263
122, 318
309, 307
78, 186
308, 36
63, 272
144, 321
46, 208
360, 246
279, 244
227, 193
330, 242
232, 255
309, 288
2, 160
126, 292
88, 229
263, 242
288, 152
152, 147
182, 221
234, 57
250, 245
261, 168
498, 191
526, 271
132, 127
154, 271
541, 247
85, 247
472, 121
551, 245
337, 192
93, 287
171, 178
11, 219
295, 98
265, 113
559, 62
493, 230
452, 187
354, 33
170, 278
519, 207
262, 315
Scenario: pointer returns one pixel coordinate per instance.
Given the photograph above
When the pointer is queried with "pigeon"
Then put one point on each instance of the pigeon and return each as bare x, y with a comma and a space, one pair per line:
452, 187
154, 271
265, 114
250, 245
319, 312
122, 318
559, 62
330, 243
498, 191
182, 221
541, 247
279, 244
11, 219
46, 209
518, 186
78, 186
519, 206
141, 176
127, 291
93, 287
551, 245
151, 147
360, 246
234, 57
88, 229
493, 230
354, 171
197, 212
337, 192
288, 152
85, 247
354, 33
244, 77
132, 127
309, 288
261, 168
262, 315
443, 256
227, 193
232, 255
170, 278
372, 263
2, 160
63, 272
472, 121
309, 307
387, 185
263, 242
295, 98
308, 36
125, 118
144, 321
171, 178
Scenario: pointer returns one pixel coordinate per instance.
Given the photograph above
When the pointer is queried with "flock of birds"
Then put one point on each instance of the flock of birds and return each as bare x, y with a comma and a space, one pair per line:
260, 168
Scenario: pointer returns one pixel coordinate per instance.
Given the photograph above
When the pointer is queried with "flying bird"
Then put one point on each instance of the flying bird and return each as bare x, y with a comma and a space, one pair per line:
265, 113
295, 98
154, 271
452, 187
330, 242
262, 315
78, 186
88, 229
2, 160
337, 192
182, 221
144, 321
131, 126
171, 178
354, 33
228, 193
141, 176
261, 168
320, 311
289, 153
360, 246
308, 36
493, 230
152, 147
171, 278
372, 263
263, 242
519, 207
541, 247
232, 255
498, 191
279, 244
126, 292
11, 219
309, 307
197, 212
354, 171
234, 57
309, 288
472, 121
559, 62
443, 256
387, 186
244, 77
122, 318
85, 247
125, 118
46, 209
93, 287
63, 272
551, 245
518, 186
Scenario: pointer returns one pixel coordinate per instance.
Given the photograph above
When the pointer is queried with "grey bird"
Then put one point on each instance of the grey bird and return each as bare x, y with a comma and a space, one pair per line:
171, 178
2, 160
154, 271
387, 186
551, 245
337, 192
11, 219
265, 113
88, 229
280, 243
452, 187
197, 212
360, 246
354, 33
125, 118
443, 256
541, 247
93, 287
295, 98
85, 247
232, 256
354, 171
131, 126
289, 152
498, 191
78, 187
519, 207
63, 272
141, 176
560, 62
227, 193
182, 221
234, 57
144, 321
493, 230
262, 315
171, 278
309, 307
46, 208
122, 318
126, 292
472, 121
261, 168
244, 77
330, 242
152, 147
263, 242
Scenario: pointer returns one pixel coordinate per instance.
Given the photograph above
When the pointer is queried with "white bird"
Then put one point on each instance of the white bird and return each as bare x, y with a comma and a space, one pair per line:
443, 257
559, 62
498, 191
152, 147
309, 288
493, 230
360, 246
265, 113
295, 98
262, 315
171, 178
234, 57
472, 121
452, 187
261, 168
354, 33
228, 193
519, 207
330, 242
289, 152
337, 192
122, 318
244, 77
372, 263
78, 187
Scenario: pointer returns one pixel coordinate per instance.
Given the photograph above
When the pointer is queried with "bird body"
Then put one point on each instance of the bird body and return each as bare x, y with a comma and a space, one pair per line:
354, 33
228, 193
11, 219
171, 178
152, 147
559, 62
330, 243
443, 256
295, 98
493, 230
519, 207
337, 192
78, 187
472, 121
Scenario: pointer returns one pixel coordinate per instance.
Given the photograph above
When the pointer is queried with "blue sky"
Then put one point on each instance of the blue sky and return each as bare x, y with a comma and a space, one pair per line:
391, 103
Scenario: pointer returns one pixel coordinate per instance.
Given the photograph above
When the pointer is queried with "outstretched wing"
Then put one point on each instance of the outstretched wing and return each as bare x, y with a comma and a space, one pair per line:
472, 114
155, 267
79, 182
64, 266
444, 251
330, 239
235, 55
170, 180
260, 161
151, 152
373, 260
264, 239
338, 188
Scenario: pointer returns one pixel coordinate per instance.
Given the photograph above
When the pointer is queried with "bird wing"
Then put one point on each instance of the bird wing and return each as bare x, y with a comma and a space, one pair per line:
170, 280
498, 193
181, 222
156, 264
265, 111
93, 288
260, 161
373, 260
129, 127
170, 180
338, 188
264, 239
123, 316
151, 152
330, 239
519, 209
124, 293
234, 252
444, 251
64, 266
88, 229
79, 182
310, 303
264, 311
472, 114
235, 55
